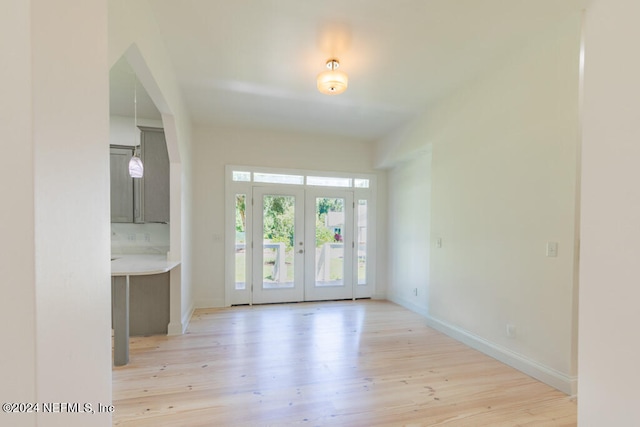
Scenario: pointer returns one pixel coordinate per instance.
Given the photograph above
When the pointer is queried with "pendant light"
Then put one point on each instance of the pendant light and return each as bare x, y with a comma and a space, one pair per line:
136, 168
332, 82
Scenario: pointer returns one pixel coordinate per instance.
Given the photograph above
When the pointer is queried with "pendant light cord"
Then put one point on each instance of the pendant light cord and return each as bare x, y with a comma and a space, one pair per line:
135, 114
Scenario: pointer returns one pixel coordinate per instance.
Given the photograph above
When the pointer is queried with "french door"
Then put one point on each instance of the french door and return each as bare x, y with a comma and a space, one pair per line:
302, 244
329, 238
278, 245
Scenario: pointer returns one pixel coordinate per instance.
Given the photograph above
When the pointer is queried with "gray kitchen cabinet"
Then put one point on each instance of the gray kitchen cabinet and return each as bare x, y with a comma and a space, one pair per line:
155, 184
145, 199
122, 194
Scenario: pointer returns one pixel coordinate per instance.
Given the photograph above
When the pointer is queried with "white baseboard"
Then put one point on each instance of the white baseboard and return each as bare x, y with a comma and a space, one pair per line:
186, 318
379, 295
565, 383
175, 329
409, 305
210, 303
179, 329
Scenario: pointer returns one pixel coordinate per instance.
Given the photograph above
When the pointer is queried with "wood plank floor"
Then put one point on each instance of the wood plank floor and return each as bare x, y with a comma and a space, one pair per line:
345, 363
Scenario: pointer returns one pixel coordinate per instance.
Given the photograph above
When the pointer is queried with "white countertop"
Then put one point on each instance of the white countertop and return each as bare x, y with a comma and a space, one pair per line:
139, 265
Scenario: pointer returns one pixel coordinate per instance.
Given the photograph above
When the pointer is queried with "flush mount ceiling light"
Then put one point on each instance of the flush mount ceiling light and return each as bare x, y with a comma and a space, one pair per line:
332, 82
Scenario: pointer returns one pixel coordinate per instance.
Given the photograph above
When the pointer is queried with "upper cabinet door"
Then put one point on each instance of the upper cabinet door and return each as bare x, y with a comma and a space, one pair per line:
122, 208
156, 176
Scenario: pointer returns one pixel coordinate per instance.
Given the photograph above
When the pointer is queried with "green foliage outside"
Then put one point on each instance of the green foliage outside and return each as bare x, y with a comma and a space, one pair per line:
323, 207
241, 217
323, 234
279, 228
279, 220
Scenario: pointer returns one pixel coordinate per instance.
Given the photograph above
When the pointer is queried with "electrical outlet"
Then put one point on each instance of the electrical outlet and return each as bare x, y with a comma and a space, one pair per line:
439, 243
511, 330
415, 292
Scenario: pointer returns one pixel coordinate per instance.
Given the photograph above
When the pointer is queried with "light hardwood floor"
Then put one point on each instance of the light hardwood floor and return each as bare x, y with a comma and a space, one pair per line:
344, 363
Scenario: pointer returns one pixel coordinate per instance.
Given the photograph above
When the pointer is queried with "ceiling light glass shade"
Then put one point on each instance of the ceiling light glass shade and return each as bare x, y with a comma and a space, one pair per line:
136, 169
332, 82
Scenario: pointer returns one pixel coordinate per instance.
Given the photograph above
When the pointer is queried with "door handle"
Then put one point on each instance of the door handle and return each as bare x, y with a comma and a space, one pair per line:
301, 251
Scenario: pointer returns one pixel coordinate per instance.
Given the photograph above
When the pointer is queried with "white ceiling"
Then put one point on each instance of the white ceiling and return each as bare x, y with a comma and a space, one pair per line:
253, 63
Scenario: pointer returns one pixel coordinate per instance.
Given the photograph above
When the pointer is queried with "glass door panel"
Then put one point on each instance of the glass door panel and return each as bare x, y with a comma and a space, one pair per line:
240, 260
278, 245
361, 242
278, 239
329, 224
329, 241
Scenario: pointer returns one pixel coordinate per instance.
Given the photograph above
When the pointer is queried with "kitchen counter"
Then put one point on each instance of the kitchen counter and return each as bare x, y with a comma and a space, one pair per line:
123, 267
139, 265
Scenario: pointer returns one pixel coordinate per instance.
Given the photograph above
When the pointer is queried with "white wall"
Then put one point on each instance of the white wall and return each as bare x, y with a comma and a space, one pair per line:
610, 272
123, 130
57, 324
409, 232
72, 274
217, 147
17, 263
503, 183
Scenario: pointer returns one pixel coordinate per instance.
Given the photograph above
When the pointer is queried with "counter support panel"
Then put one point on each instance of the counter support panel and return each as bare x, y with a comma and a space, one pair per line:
120, 290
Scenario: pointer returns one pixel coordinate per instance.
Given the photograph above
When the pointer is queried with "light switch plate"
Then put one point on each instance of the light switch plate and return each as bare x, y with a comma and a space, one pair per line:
552, 249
